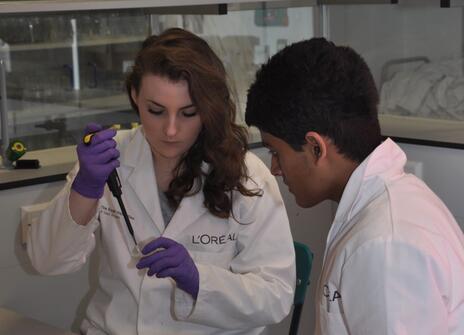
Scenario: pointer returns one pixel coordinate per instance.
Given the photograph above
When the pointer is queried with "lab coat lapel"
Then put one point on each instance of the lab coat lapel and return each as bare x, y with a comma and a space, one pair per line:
188, 212
364, 185
142, 179
350, 193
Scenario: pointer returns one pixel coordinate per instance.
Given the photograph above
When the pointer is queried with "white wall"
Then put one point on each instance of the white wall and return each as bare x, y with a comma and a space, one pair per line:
54, 300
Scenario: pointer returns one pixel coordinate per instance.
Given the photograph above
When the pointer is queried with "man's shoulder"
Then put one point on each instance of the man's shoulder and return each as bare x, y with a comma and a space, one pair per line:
406, 211
412, 201
372, 222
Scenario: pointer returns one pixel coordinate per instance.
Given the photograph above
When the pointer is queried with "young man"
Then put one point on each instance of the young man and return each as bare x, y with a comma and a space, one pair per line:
394, 259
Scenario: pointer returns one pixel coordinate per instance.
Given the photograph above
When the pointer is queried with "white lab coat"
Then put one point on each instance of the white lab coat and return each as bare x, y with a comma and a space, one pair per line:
247, 271
394, 260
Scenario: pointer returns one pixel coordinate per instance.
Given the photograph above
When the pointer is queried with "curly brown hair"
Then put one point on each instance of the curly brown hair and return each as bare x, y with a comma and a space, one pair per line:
180, 55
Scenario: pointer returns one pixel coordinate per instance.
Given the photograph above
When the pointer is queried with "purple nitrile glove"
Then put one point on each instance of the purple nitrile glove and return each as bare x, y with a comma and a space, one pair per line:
96, 161
173, 261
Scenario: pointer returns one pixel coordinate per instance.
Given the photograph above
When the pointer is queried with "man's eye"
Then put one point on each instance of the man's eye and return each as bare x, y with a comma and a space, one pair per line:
272, 153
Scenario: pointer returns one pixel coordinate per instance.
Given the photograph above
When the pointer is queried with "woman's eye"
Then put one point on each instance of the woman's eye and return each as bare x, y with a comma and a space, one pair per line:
155, 111
189, 113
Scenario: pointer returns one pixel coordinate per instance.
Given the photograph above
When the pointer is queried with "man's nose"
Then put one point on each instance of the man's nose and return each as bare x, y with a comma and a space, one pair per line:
275, 167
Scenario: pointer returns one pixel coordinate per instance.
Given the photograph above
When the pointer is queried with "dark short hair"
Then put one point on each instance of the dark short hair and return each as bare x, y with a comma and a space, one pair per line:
314, 85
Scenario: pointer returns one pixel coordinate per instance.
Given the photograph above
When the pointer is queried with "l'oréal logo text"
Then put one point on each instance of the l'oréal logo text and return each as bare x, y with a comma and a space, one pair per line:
213, 239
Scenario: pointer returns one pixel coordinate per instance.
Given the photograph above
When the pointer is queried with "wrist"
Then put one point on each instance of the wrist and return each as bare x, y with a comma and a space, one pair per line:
87, 189
194, 284
82, 209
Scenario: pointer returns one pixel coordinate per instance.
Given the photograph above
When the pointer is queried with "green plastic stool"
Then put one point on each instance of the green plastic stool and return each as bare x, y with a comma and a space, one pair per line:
304, 262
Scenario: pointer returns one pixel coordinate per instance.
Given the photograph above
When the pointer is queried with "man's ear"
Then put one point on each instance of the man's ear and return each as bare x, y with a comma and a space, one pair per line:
134, 95
316, 145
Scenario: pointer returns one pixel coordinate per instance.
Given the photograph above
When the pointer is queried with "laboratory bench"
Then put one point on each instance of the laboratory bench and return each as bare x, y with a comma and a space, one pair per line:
423, 131
55, 163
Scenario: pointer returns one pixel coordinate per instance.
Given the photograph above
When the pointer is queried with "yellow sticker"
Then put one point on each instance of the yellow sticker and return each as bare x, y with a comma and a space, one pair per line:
19, 146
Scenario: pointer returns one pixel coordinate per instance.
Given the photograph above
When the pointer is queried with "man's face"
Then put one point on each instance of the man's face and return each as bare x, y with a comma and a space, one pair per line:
298, 170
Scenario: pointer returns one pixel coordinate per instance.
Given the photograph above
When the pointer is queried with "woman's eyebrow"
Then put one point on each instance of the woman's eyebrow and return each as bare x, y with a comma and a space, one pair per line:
155, 103
187, 106
160, 105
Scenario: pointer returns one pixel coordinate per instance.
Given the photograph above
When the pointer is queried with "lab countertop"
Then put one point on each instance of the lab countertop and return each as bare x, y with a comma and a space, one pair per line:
54, 165
433, 132
12, 323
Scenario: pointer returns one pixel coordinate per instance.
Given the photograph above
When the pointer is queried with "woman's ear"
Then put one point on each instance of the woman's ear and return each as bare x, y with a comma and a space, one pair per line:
316, 145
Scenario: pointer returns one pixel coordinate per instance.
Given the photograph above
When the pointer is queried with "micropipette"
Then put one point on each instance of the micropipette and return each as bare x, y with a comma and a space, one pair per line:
114, 184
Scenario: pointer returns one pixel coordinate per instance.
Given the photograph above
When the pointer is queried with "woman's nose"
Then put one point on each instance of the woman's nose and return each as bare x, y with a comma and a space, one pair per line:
171, 127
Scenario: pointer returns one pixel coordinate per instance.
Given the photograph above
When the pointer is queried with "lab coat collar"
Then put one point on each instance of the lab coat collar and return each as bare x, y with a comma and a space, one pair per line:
142, 179
137, 156
366, 183
135, 149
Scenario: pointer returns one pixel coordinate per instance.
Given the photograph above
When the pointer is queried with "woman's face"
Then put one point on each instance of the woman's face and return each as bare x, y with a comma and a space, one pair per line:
169, 118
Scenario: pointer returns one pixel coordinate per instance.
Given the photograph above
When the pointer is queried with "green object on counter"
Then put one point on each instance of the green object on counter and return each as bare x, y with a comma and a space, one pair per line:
16, 149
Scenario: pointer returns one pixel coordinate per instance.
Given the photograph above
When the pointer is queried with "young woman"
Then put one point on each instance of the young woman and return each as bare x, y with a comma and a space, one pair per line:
217, 253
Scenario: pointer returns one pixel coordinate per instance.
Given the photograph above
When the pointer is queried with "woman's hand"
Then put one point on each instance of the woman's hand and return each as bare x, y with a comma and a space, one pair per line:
96, 161
174, 261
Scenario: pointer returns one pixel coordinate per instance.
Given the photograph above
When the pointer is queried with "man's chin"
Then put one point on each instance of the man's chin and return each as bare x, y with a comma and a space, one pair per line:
303, 203
300, 204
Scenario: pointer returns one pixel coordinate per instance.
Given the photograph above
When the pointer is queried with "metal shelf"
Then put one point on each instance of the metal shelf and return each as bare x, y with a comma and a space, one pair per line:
81, 43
